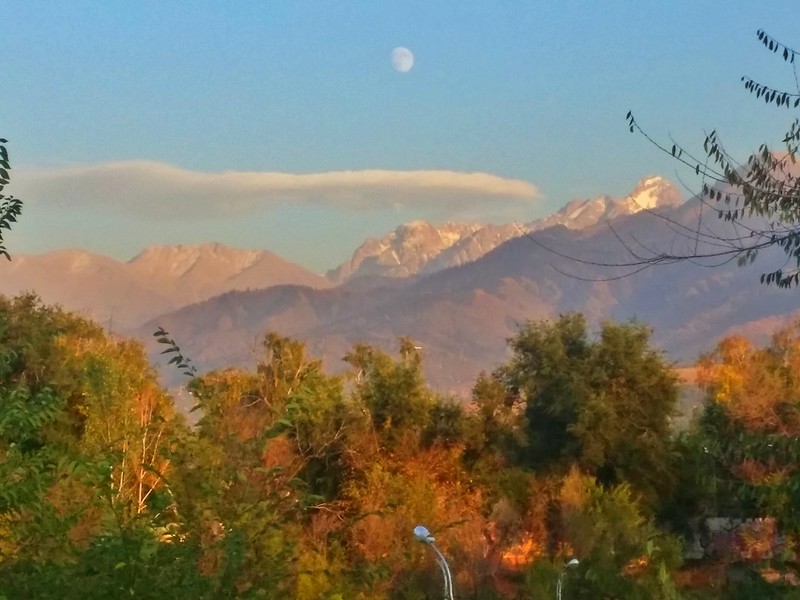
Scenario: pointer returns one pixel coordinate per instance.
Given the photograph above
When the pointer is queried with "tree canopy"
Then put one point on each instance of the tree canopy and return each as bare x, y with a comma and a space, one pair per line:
601, 404
297, 483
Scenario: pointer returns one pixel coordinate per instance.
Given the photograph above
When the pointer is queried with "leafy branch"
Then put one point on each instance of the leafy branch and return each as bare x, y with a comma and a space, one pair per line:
10, 207
182, 363
772, 95
759, 197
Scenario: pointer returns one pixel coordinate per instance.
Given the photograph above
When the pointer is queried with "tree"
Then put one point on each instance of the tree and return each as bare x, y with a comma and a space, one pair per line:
759, 197
601, 404
623, 554
751, 426
85, 441
494, 433
404, 467
128, 417
754, 204
394, 393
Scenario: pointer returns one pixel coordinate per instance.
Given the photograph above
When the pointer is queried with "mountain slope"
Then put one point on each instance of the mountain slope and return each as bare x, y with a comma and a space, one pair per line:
161, 278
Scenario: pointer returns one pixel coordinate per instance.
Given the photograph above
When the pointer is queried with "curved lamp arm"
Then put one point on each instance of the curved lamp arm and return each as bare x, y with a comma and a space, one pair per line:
423, 535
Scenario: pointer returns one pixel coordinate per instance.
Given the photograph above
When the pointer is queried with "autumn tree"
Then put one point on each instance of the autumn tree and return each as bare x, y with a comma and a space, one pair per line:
264, 460
751, 426
405, 463
85, 440
623, 554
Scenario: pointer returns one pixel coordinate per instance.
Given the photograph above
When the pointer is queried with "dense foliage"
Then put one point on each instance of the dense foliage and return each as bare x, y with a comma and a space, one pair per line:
297, 484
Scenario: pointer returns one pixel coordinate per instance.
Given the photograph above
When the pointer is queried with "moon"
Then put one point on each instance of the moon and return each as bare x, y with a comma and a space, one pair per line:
402, 60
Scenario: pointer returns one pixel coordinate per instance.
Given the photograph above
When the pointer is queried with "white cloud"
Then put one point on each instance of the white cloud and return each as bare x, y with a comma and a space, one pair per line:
161, 191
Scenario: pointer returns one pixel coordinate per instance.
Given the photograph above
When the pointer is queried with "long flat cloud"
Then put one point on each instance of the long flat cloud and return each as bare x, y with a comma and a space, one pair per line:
158, 190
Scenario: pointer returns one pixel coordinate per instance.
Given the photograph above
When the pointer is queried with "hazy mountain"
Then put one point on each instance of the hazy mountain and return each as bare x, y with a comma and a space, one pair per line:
421, 247
96, 286
161, 278
462, 316
197, 272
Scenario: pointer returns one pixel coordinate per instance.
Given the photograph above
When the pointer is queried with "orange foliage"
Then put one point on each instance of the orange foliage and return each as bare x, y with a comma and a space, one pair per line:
706, 577
757, 386
70, 498
574, 491
522, 554
758, 472
757, 540
636, 566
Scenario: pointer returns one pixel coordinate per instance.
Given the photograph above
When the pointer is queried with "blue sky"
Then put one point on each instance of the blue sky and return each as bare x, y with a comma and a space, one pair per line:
282, 125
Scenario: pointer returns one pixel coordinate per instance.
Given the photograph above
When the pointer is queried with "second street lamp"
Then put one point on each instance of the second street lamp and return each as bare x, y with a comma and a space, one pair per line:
559, 585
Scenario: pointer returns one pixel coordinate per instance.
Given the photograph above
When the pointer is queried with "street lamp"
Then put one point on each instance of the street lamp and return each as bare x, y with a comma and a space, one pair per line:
574, 562
423, 535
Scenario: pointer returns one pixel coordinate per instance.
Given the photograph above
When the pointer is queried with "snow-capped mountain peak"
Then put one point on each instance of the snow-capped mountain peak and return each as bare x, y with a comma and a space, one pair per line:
653, 192
421, 247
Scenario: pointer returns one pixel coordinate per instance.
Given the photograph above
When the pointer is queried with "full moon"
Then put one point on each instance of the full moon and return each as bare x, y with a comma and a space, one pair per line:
402, 60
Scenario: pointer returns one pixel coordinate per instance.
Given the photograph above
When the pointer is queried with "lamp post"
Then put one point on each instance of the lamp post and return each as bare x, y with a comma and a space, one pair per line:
423, 535
574, 562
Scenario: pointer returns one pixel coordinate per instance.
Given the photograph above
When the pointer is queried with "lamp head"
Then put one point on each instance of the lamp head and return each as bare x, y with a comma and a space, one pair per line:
423, 535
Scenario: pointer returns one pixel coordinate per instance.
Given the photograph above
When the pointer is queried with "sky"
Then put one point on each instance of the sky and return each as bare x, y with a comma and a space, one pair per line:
283, 125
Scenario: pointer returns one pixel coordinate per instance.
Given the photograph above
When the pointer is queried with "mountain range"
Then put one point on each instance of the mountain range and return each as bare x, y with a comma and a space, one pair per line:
421, 248
458, 290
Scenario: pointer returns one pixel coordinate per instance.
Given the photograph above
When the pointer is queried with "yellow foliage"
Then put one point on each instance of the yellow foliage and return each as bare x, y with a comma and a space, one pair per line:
313, 581
723, 372
126, 413
575, 490
757, 386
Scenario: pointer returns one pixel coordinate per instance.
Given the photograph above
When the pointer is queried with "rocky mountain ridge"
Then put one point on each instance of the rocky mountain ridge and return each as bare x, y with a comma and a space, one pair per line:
422, 248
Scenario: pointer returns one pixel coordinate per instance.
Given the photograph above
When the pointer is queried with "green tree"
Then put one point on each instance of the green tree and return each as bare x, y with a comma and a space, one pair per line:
603, 404
393, 392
